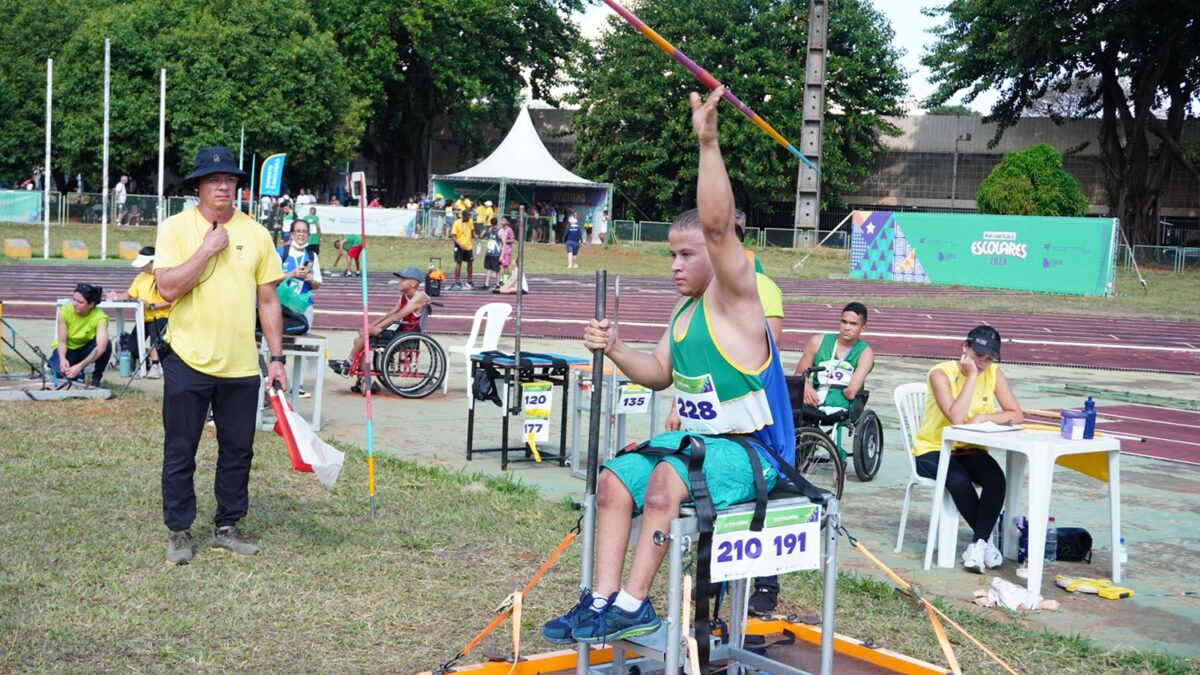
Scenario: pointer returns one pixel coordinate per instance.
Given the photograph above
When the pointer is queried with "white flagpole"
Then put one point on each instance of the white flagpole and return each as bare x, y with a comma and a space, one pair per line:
46, 167
162, 139
104, 162
241, 161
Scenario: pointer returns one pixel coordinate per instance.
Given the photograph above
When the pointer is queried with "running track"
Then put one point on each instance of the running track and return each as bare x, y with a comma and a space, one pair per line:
560, 305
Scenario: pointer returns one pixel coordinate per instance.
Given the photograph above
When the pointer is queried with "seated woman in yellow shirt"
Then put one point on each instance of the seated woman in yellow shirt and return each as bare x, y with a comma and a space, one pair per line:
144, 289
961, 392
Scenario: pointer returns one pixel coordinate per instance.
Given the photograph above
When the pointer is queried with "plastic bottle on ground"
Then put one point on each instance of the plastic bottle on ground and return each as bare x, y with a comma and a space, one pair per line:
1051, 542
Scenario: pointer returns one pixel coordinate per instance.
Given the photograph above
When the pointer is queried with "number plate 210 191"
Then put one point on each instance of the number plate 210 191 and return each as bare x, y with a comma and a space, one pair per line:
789, 541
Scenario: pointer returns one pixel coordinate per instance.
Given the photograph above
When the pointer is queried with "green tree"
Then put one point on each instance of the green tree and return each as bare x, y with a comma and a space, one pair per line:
461, 64
1031, 182
1027, 48
633, 122
957, 109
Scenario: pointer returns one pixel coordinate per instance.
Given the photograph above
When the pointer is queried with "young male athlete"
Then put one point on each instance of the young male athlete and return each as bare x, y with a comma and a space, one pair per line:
847, 359
728, 380
404, 316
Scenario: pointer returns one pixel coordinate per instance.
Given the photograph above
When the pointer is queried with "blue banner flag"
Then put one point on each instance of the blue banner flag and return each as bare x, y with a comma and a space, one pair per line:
272, 175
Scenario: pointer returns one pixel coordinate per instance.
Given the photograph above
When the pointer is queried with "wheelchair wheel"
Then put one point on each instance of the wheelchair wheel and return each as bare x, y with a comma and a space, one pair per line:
868, 446
413, 365
818, 461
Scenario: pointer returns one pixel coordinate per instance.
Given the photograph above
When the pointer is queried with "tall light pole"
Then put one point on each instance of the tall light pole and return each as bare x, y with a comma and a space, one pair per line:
954, 175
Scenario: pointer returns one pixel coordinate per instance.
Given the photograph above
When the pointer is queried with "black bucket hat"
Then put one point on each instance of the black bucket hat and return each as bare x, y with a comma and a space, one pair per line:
215, 159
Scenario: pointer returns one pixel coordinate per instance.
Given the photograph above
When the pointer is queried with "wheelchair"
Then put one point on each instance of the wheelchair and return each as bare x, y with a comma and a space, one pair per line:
819, 455
410, 363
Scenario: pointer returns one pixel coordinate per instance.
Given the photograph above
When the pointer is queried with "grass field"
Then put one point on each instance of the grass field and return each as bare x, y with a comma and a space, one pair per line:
1167, 295
83, 585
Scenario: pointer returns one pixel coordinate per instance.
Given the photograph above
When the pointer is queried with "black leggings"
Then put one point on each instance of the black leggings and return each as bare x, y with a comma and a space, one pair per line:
964, 473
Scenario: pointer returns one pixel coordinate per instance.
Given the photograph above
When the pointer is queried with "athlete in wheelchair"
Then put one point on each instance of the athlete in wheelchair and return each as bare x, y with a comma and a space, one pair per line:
828, 399
406, 360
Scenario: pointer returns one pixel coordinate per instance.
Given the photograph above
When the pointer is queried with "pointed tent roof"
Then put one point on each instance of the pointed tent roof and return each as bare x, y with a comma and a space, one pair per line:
522, 158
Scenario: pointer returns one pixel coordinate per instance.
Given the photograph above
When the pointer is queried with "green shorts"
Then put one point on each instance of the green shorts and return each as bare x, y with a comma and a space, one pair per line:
727, 470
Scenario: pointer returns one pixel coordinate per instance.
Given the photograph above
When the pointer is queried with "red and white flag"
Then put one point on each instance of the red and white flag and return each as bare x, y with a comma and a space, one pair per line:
308, 453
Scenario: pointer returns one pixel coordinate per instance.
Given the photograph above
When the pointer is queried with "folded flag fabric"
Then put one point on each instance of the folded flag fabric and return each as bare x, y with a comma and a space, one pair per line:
308, 453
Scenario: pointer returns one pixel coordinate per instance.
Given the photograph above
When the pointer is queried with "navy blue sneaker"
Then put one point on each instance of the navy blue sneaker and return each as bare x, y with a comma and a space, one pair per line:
559, 630
614, 623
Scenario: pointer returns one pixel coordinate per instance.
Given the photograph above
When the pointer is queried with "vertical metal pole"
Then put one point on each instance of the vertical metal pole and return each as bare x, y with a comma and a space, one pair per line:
46, 167
104, 160
253, 162
593, 464
162, 139
514, 391
241, 163
808, 182
832, 522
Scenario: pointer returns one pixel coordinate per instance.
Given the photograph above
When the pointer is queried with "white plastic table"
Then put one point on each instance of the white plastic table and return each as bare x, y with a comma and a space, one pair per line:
300, 350
139, 316
1039, 450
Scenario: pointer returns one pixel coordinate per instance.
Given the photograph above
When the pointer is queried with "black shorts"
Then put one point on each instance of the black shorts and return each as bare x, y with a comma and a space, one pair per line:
491, 262
315, 248
461, 256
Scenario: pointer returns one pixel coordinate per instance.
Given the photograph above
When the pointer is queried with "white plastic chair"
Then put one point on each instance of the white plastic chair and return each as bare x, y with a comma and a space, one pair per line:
910, 403
495, 314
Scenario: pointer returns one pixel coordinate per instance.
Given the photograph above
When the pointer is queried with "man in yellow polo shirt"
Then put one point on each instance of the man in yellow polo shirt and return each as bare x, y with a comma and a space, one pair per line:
214, 263
463, 235
144, 289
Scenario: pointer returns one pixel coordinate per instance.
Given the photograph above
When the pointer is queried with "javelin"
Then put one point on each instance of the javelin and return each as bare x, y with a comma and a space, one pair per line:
706, 79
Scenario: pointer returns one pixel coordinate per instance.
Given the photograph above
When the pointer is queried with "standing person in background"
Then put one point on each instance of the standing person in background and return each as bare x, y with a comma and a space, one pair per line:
484, 215
572, 238
120, 196
491, 259
351, 246
302, 272
602, 228
463, 236
215, 264
966, 391
314, 231
507, 238
144, 289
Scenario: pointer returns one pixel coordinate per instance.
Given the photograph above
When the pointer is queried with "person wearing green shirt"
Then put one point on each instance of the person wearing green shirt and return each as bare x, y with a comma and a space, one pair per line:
351, 245
314, 231
82, 336
847, 359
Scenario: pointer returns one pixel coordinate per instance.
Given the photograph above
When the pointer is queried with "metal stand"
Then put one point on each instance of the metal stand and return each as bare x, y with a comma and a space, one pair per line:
665, 645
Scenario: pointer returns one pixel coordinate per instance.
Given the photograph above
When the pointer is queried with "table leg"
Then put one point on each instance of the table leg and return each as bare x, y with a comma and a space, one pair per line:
319, 364
939, 491
504, 441
471, 414
562, 433
297, 370
1114, 510
1041, 476
139, 315
1015, 464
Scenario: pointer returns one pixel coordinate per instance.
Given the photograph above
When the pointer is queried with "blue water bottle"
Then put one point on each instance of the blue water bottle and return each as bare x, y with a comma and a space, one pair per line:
1089, 422
125, 363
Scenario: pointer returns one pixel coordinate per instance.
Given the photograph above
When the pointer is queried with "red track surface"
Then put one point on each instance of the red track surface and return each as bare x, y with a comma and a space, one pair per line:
559, 306
1170, 433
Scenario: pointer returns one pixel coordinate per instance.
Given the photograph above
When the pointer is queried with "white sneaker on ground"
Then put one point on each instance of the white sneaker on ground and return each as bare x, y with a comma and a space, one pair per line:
304, 394
992, 557
155, 372
973, 557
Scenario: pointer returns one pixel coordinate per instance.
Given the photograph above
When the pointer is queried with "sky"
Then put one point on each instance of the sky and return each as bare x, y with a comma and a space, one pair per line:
907, 21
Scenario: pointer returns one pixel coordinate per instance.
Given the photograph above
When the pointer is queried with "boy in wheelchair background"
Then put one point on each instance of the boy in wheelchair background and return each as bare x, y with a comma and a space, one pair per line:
847, 360
404, 316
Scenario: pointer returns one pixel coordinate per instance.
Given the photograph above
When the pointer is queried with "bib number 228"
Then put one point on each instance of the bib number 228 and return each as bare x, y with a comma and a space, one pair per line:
696, 410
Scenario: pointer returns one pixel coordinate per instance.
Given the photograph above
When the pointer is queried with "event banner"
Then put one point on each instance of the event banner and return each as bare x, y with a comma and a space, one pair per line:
20, 206
1073, 256
349, 220
272, 175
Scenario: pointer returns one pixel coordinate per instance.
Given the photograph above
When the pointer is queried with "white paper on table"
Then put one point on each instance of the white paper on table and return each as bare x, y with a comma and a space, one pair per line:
987, 427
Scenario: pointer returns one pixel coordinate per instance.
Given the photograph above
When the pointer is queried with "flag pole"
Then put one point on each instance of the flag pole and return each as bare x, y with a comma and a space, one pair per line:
366, 365
162, 138
104, 161
46, 175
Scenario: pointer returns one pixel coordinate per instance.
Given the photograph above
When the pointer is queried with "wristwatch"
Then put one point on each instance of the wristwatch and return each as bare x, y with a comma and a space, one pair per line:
278, 358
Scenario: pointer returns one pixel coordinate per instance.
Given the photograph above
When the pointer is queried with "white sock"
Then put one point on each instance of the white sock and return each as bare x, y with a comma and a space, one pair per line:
627, 602
599, 602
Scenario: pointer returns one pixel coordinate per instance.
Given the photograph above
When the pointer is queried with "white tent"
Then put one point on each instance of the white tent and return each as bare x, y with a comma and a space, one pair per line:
522, 160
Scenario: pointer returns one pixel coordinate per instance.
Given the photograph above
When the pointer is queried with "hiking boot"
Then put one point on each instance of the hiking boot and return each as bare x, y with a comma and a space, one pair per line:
973, 557
559, 630
340, 366
179, 547
763, 601
614, 623
231, 539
